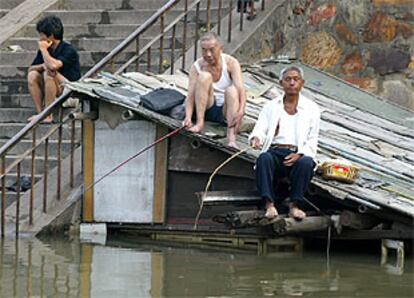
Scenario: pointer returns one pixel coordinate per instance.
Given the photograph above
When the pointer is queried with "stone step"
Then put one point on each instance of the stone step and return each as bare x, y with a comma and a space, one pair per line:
107, 4
11, 197
26, 164
11, 73
100, 30
123, 5
15, 114
120, 16
9, 130
26, 144
91, 44
16, 101
87, 58
11, 178
17, 84
85, 30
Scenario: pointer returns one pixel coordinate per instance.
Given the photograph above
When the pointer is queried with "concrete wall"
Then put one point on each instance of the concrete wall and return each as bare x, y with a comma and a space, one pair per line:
127, 194
367, 43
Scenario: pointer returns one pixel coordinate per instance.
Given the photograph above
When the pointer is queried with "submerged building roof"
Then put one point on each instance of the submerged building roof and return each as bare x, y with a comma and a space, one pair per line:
375, 135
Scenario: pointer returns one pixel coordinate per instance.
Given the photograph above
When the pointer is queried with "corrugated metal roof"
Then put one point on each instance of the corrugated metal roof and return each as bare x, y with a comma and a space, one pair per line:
373, 134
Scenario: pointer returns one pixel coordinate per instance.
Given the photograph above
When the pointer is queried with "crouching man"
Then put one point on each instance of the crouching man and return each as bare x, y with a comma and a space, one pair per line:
216, 89
56, 62
287, 130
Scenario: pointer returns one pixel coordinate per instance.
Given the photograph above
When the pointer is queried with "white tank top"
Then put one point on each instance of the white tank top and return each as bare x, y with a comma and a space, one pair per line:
222, 84
287, 130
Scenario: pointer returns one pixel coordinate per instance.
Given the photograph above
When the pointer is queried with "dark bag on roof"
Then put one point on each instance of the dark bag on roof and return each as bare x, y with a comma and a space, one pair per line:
162, 100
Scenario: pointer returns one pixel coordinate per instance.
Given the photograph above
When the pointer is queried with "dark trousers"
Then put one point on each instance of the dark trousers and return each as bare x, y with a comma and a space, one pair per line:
270, 171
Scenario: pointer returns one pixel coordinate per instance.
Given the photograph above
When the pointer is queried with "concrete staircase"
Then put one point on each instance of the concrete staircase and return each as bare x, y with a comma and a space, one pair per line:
94, 27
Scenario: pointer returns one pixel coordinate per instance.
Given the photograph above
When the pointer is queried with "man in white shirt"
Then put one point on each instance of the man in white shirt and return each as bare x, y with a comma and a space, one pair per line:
287, 130
216, 89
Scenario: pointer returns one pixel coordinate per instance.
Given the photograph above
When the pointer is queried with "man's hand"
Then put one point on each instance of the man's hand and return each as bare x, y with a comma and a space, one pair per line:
187, 122
44, 44
255, 143
291, 159
51, 73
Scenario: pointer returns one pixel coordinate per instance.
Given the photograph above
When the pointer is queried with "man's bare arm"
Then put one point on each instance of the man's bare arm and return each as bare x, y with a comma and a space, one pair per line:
51, 63
37, 67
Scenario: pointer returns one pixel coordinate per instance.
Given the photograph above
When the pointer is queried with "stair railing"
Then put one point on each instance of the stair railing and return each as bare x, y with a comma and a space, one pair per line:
116, 64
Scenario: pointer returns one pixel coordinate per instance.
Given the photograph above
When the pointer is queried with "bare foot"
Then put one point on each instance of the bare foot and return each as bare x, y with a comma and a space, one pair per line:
196, 128
48, 119
296, 213
271, 211
233, 145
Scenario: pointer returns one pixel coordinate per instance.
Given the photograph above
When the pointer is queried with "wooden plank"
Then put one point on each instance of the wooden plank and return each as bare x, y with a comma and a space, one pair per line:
378, 145
86, 272
287, 225
369, 130
160, 177
230, 197
88, 169
157, 274
184, 155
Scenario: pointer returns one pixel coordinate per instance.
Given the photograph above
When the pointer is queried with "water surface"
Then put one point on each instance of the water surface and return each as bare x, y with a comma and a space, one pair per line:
68, 268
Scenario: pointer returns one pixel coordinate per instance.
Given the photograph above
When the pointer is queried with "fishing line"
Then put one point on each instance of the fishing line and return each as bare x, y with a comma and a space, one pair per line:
209, 182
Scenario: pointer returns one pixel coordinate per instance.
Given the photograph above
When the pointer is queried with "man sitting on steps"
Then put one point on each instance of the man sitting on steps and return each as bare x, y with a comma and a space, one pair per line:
56, 62
216, 89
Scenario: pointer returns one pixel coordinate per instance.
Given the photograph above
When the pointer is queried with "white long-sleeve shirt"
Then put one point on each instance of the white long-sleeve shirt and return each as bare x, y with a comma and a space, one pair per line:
306, 130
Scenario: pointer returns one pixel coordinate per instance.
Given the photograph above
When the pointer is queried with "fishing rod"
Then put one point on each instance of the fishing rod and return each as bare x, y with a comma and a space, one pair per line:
209, 182
175, 131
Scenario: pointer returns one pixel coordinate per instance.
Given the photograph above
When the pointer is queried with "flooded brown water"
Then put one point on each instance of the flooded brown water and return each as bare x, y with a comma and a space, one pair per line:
68, 268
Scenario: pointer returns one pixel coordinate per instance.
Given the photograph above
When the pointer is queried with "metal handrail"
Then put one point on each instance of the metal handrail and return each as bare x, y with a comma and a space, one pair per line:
108, 59
12, 142
118, 49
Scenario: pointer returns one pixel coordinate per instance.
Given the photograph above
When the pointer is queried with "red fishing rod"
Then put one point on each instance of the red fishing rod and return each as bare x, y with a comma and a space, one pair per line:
175, 131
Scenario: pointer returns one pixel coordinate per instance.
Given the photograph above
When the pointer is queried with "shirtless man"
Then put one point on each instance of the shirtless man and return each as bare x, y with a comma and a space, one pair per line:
216, 89
56, 62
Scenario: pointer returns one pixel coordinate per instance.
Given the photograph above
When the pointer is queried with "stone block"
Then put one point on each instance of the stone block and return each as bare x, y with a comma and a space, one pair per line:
366, 83
321, 50
388, 60
407, 16
299, 9
392, 2
406, 30
322, 13
399, 93
356, 12
279, 41
380, 28
411, 65
353, 63
345, 34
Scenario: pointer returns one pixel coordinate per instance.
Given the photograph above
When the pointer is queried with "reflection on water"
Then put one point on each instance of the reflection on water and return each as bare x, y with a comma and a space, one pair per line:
67, 268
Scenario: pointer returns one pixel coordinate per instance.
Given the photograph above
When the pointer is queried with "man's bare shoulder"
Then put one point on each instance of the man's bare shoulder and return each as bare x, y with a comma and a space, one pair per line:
200, 62
232, 62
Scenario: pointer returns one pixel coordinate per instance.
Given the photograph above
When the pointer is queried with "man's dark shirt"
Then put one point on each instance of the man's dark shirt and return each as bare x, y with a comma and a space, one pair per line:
66, 53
